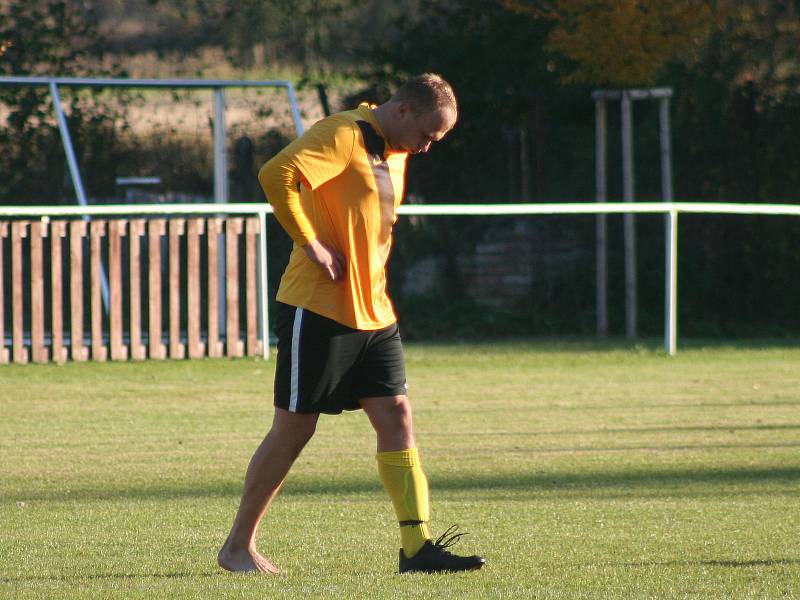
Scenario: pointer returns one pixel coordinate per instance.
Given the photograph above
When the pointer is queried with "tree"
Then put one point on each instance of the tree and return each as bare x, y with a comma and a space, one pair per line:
45, 38
622, 43
736, 135
303, 31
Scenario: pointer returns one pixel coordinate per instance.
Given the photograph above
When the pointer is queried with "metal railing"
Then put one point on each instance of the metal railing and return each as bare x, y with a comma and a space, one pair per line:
260, 210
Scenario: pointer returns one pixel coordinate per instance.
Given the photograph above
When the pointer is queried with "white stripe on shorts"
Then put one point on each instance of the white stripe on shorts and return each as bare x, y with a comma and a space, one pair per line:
298, 319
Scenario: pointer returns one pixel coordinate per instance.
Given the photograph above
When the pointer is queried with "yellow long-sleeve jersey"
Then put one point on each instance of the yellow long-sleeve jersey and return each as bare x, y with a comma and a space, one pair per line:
339, 183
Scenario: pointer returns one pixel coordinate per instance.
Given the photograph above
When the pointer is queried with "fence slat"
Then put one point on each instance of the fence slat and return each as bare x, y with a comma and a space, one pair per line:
176, 229
77, 231
235, 347
214, 345
3, 349
97, 230
195, 228
38, 349
116, 231
155, 229
57, 232
136, 231
19, 230
254, 346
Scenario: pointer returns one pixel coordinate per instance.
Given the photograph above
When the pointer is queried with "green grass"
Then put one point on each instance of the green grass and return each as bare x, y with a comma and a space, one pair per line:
581, 471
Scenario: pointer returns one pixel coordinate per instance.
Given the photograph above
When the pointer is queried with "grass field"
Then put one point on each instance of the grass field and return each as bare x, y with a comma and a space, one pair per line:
580, 471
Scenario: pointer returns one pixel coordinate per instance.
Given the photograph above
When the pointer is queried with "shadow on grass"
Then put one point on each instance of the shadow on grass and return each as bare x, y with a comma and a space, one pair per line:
648, 448
654, 345
219, 573
615, 430
107, 576
688, 404
644, 482
772, 562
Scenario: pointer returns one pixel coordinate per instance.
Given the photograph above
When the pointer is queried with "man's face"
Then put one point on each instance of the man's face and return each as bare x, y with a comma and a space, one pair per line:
416, 133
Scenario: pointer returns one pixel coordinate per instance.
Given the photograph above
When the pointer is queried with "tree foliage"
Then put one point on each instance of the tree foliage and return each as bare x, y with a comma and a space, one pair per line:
622, 43
46, 37
52, 37
305, 32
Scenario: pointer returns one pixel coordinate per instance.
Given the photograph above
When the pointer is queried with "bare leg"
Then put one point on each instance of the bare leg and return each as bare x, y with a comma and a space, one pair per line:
289, 434
391, 418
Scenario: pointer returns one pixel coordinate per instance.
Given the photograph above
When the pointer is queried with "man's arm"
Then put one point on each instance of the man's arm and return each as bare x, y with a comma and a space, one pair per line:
279, 179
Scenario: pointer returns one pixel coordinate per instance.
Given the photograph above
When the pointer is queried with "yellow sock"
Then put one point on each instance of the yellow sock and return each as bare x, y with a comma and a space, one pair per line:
402, 476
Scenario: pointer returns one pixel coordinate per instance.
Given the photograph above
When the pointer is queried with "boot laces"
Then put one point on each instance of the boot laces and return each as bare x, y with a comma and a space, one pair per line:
449, 537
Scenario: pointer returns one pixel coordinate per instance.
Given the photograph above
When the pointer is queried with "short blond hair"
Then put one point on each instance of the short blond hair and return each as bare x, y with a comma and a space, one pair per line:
426, 93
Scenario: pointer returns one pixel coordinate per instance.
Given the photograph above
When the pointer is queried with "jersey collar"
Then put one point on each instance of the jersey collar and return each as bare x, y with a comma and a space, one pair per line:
365, 111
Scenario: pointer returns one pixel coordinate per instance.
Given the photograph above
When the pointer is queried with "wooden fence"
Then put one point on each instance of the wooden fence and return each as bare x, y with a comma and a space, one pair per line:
51, 293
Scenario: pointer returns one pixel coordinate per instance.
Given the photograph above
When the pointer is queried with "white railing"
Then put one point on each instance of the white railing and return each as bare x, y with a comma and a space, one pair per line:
671, 210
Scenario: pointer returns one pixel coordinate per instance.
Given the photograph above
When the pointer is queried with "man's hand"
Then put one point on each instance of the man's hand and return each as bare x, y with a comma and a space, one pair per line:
329, 259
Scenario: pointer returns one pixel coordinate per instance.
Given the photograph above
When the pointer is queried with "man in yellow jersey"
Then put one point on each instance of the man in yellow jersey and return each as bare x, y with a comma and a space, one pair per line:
335, 190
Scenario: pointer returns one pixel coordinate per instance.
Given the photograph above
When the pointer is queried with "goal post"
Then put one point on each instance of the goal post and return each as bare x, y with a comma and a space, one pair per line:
216, 86
626, 98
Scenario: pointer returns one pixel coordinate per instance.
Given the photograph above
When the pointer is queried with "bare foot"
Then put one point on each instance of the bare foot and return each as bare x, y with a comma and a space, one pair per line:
246, 560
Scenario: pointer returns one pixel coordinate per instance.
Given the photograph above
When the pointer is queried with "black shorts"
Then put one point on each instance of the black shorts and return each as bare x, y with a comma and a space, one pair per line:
326, 367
